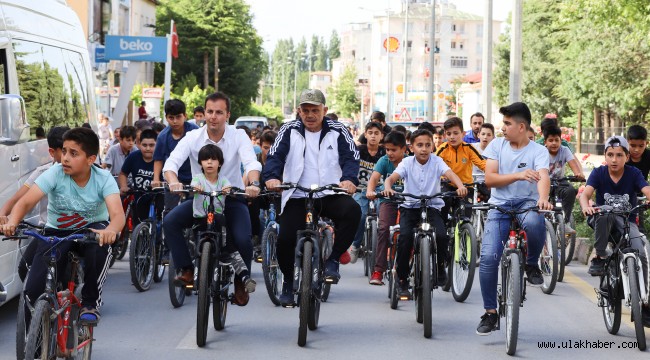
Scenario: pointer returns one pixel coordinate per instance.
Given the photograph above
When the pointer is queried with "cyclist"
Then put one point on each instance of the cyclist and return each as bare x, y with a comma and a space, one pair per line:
313, 150
395, 145
237, 150
616, 185
369, 153
637, 137
486, 135
517, 172
559, 157
211, 159
473, 135
421, 174
80, 196
117, 153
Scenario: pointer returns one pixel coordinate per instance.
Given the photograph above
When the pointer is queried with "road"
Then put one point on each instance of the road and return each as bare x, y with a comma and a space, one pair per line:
356, 323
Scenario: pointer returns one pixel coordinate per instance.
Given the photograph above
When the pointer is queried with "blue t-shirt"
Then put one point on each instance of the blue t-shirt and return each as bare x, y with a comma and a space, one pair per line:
140, 171
385, 168
166, 143
70, 206
620, 195
533, 156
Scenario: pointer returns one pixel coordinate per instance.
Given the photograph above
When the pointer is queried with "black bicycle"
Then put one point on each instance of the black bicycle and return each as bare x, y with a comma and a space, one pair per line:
565, 243
423, 273
270, 267
511, 292
308, 281
623, 279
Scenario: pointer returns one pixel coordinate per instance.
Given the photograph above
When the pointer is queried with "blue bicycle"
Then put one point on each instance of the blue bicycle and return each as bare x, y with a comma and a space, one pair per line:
270, 267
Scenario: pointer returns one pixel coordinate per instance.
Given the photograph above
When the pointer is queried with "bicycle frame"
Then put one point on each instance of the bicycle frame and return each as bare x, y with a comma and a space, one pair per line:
310, 233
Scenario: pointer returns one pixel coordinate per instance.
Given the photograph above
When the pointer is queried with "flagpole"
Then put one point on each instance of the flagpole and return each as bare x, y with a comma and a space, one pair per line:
168, 64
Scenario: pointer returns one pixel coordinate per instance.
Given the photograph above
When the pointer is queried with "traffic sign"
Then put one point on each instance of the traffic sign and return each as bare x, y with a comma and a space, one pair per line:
100, 55
136, 48
404, 115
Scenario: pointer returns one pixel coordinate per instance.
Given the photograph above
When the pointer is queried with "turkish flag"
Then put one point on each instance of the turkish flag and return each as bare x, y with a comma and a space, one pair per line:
175, 43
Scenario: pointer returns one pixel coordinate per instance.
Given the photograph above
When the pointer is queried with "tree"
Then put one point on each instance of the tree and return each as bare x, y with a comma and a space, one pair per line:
204, 24
334, 50
343, 93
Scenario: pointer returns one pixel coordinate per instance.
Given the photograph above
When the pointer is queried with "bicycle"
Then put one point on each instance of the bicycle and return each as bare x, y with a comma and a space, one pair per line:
308, 279
423, 273
147, 244
369, 244
214, 275
623, 279
511, 292
565, 244
56, 329
462, 245
121, 244
478, 216
394, 232
178, 293
270, 267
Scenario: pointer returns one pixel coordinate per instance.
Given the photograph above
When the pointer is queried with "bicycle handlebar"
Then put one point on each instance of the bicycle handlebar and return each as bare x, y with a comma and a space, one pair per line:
607, 209
24, 232
400, 196
313, 189
569, 178
512, 211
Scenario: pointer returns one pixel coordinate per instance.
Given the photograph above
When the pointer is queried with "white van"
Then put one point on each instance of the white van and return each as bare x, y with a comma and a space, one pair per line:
252, 122
45, 80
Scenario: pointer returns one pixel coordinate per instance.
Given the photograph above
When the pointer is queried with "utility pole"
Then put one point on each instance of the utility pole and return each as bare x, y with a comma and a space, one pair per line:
216, 68
295, 83
405, 48
486, 81
432, 59
283, 96
389, 74
516, 52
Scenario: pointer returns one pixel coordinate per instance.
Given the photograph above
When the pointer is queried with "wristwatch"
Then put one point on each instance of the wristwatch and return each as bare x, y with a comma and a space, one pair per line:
255, 183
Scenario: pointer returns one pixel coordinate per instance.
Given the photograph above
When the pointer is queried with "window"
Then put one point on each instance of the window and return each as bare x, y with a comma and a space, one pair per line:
459, 62
453, 27
479, 62
101, 18
53, 83
479, 47
4, 85
409, 44
461, 45
453, 44
479, 30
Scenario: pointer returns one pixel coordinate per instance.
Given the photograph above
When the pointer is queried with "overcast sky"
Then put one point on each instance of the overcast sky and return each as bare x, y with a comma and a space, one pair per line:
282, 19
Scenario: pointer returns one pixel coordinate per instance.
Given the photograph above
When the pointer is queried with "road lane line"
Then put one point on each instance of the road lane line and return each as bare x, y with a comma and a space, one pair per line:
189, 340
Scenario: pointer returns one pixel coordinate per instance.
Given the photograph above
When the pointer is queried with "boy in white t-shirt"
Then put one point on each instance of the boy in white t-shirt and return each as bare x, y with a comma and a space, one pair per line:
517, 172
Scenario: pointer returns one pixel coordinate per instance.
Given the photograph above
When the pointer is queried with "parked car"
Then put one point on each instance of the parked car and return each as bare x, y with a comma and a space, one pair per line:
252, 122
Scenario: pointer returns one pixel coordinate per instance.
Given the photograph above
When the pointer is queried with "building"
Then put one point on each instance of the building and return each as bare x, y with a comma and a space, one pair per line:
404, 71
320, 80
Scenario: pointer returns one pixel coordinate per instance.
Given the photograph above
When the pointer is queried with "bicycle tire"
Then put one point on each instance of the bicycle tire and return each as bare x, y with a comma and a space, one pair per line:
270, 267
159, 267
326, 249
176, 293
571, 242
635, 302
394, 298
612, 306
314, 311
425, 283
548, 260
42, 330
513, 302
448, 264
21, 328
83, 333
464, 262
305, 292
203, 303
125, 235
373, 248
142, 257
364, 252
561, 246
220, 298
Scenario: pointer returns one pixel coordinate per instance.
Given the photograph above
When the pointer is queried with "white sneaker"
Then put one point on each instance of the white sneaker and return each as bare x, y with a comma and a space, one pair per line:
354, 254
568, 230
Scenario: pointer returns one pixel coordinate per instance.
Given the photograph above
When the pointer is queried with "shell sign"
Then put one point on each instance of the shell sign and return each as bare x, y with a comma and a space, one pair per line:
391, 44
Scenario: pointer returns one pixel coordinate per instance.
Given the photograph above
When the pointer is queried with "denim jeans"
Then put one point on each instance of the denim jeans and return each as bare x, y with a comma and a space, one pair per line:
363, 202
494, 236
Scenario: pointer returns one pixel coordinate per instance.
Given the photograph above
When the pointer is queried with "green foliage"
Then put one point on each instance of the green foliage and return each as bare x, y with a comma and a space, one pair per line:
334, 51
343, 93
267, 110
195, 97
204, 24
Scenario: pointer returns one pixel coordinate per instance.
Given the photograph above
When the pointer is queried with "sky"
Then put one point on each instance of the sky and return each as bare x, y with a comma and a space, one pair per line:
282, 19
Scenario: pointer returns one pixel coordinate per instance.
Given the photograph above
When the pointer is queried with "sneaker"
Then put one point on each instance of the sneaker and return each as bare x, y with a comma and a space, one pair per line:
568, 230
249, 284
404, 292
489, 322
286, 297
164, 258
354, 254
345, 258
185, 278
89, 315
376, 278
534, 275
645, 314
241, 297
331, 273
597, 267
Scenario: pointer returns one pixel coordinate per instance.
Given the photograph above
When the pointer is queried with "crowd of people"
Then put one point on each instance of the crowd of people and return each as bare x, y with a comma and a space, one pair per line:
81, 188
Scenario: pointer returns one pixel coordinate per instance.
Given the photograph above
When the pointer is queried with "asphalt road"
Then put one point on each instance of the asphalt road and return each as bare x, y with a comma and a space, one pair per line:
355, 323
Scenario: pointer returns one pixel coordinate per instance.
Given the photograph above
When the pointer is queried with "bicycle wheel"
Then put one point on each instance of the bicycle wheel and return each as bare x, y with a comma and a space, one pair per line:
364, 252
612, 299
21, 329
513, 290
570, 242
463, 259
305, 292
560, 234
548, 260
176, 293
41, 337
448, 264
372, 249
206, 270
220, 298
142, 257
83, 341
159, 267
270, 267
635, 301
425, 283
326, 250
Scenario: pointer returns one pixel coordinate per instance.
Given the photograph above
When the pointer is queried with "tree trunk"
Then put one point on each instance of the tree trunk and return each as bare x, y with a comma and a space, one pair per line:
598, 126
206, 70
